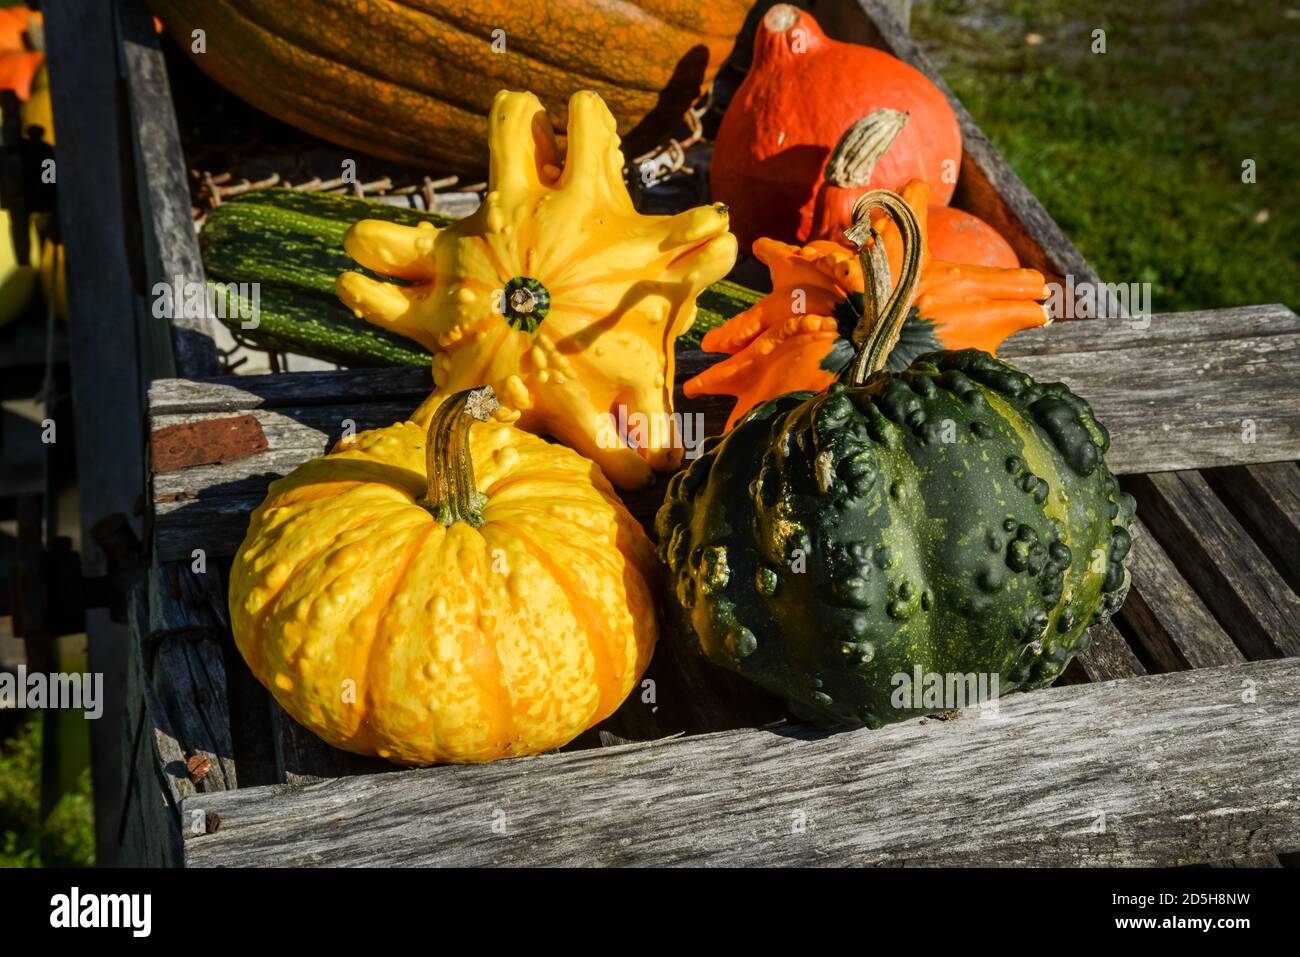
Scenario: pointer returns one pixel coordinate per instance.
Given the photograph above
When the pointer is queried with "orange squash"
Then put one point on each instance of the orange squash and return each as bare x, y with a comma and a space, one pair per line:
954, 235
802, 95
413, 80
18, 60
800, 336
961, 237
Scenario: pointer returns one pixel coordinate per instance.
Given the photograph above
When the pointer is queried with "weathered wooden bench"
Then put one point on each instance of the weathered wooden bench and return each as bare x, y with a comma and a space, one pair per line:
1170, 741
1124, 770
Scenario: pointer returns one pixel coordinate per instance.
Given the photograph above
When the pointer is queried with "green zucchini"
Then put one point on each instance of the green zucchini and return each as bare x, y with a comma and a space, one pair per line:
714, 306
306, 323
290, 243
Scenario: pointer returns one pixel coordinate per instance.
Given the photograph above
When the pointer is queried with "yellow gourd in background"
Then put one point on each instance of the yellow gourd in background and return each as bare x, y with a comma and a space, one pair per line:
17, 283
48, 266
39, 109
556, 291
450, 589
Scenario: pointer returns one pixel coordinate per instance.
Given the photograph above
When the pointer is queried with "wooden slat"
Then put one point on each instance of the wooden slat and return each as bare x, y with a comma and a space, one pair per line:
1266, 498
1109, 335
1165, 614
1162, 770
410, 384
150, 831
1169, 404
1175, 406
183, 654
1109, 657
1218, 557
106, 386
171, 248
245, 393
1173, 626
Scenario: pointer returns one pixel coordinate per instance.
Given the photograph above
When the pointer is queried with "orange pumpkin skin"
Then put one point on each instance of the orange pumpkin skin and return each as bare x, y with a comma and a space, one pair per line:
18, 63
413, 80
802, 93
961, 237
14, 24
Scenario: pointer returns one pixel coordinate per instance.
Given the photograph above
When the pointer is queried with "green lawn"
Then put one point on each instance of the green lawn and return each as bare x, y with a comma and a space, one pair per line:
1138, 152
66, 837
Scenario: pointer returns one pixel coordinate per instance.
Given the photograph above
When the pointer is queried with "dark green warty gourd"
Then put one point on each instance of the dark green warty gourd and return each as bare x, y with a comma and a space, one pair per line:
957, 517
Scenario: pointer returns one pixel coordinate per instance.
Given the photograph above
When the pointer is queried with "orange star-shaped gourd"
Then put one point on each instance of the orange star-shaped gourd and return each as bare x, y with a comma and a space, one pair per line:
797, 336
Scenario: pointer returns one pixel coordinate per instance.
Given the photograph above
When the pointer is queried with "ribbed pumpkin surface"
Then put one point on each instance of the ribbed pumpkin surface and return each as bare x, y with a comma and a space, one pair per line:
387, 633
414, 80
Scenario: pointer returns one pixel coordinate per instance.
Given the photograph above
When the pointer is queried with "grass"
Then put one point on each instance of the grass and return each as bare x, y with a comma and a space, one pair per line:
66, 837
1137, 152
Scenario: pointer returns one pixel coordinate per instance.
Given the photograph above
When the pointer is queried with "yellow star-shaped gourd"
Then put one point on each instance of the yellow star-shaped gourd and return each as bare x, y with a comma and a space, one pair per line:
556, 291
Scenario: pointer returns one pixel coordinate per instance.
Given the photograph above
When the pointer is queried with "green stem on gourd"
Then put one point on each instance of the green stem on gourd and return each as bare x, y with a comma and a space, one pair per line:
883, 312
453, 495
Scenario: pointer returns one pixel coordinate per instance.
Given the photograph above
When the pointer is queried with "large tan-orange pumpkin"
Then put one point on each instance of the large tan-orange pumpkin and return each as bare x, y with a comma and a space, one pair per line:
413, 80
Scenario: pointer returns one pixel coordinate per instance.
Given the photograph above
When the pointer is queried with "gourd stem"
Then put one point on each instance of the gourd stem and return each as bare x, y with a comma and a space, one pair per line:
883, 312
453, 495
855, 156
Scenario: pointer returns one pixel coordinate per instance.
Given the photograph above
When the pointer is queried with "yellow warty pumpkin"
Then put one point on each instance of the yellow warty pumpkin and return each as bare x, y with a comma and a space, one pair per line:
450, 589
556, 291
